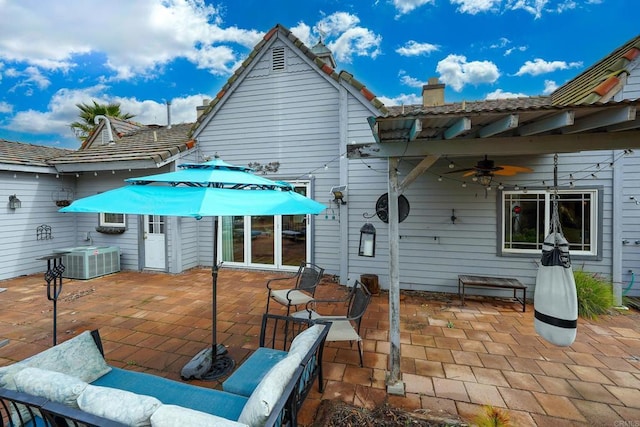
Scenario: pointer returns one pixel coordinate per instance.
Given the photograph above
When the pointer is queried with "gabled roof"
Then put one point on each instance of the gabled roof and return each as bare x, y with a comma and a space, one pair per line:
18, 153
322, 67
602, 80
119, 128
146, 147
495, 105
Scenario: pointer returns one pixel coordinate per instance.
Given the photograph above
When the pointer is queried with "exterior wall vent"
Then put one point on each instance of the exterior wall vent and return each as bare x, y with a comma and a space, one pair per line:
87, 262
278, 62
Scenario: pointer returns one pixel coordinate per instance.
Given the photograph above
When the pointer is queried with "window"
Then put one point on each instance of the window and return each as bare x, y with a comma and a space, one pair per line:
526, 220
112, 220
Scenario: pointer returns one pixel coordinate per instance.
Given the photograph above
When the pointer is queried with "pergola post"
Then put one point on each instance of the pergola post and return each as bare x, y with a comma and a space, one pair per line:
394, 382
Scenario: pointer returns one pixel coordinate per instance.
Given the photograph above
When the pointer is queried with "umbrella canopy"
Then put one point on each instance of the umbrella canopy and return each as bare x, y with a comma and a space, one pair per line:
197, 190
213, 188
195, 202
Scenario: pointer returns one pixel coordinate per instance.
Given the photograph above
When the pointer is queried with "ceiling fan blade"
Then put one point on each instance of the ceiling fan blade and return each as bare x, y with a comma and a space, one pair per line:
512, 170
470, 173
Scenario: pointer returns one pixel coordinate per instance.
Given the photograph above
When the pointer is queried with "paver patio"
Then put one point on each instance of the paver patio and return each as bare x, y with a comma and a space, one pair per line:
454, 359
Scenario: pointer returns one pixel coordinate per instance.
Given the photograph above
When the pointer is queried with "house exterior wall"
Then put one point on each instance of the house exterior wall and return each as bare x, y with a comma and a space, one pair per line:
291, 117
20, 246
88, 185
630, 218
434, 251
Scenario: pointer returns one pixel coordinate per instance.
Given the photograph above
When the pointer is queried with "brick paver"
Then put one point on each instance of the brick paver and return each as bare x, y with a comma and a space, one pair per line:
454, 359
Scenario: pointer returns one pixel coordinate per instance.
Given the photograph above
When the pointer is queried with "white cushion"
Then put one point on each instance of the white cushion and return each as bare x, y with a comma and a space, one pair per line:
268, 392
296, 297
78, 357
118, 405
173, 415
303, 342
54, 386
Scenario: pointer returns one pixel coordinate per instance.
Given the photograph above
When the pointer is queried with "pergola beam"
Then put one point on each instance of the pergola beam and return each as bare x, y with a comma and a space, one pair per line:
499, 146
425, 164
556, 121
603, 118
499, 126
462, 125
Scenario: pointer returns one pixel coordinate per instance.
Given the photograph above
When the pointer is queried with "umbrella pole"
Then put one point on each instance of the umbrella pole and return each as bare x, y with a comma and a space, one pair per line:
221, 363
212, 362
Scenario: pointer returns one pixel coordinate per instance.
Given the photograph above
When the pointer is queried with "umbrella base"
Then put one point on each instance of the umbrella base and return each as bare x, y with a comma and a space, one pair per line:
205, 367
219, 368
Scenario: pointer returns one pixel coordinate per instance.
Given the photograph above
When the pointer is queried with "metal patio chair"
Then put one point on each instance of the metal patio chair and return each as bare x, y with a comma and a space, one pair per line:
303, 290
344, 327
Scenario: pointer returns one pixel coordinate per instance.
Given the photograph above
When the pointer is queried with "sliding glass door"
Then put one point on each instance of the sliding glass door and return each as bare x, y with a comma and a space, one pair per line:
266, 241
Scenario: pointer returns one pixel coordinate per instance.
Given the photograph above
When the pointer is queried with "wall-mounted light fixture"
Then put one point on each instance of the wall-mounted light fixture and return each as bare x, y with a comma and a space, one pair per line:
367, 240
14, 202
338, 194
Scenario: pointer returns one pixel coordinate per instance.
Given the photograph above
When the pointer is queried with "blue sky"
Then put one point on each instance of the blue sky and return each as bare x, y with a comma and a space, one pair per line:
55, 54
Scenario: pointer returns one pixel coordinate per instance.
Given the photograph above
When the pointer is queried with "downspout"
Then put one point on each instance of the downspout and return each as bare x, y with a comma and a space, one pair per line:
617, 228
96, 120
343, 210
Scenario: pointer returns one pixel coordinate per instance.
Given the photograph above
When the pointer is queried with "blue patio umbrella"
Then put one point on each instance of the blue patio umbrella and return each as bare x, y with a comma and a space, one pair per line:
213, 188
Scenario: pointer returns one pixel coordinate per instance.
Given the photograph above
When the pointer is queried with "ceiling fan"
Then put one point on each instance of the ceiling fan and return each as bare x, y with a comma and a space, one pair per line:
485, 169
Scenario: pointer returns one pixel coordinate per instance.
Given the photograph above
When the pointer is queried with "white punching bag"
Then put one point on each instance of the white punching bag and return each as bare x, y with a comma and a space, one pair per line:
555, 299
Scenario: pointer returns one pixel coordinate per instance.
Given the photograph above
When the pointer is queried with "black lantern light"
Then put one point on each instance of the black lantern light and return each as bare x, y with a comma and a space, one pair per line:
367, 240
14, 202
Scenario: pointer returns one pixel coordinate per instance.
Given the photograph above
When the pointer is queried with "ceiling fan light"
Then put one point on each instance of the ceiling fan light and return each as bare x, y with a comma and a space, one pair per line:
485, 179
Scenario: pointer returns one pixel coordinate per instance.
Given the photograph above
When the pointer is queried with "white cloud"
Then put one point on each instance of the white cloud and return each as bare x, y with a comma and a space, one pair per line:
405, 6
516, 48
62, 110
5, 107
402, 99
141, 36
29, 78
534, 7
410, 81
337, 23
474, 7
456, 72
500, 94
303, 32
549, 87
413, 48
356, 41
540, 66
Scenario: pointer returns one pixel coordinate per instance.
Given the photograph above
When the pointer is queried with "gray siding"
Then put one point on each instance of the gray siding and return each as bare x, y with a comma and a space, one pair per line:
20, 247
433, 250
631, 225
290, 117
631, 89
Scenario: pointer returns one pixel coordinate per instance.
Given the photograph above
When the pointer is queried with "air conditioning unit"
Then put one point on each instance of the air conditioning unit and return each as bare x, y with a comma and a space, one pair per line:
87, 262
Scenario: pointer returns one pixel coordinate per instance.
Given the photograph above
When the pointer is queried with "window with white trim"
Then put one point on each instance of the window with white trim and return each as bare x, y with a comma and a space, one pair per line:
526, 220
112, 220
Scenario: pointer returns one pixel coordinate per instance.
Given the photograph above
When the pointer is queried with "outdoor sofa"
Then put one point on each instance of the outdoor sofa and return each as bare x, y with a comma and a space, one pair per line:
71, 384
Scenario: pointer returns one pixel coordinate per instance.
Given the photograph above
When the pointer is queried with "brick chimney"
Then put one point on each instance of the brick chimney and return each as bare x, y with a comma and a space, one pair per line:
433, 93
200, 109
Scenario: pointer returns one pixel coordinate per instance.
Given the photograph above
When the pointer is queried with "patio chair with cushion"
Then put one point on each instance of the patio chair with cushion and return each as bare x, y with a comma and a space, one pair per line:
295, 290
343, 327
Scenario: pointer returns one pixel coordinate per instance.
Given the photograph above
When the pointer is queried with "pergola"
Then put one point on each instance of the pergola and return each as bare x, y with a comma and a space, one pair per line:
521, 126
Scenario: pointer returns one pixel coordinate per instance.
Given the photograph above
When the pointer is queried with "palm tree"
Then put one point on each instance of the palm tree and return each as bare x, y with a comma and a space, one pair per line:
88, 112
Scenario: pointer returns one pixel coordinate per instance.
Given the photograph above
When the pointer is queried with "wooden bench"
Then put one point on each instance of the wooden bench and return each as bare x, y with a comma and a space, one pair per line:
492, 282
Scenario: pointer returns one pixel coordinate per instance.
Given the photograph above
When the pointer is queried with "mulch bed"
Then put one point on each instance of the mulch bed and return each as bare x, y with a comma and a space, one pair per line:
333, 413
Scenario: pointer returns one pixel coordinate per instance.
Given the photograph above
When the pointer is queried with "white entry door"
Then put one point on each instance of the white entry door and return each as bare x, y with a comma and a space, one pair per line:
154, 242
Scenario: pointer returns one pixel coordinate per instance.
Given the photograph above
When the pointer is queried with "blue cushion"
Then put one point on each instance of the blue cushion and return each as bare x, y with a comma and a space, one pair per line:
246, 378
171, 392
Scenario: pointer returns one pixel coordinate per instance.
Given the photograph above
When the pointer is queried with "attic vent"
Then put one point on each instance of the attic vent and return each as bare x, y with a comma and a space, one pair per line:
277, 59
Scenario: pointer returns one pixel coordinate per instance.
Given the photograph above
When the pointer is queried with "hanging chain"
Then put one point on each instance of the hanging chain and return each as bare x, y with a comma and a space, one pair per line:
555, 217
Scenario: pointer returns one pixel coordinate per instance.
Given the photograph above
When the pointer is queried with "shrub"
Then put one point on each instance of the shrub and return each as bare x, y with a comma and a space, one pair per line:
492, 417
595, 294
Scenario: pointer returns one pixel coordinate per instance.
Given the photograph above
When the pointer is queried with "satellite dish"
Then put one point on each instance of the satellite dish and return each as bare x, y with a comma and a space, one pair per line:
382, 208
